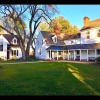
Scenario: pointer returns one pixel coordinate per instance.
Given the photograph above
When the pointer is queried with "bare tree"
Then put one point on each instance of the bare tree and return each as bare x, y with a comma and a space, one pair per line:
14, 17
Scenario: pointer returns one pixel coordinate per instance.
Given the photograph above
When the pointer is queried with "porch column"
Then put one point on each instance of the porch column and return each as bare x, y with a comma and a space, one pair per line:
50, 54
87, 54
80, 55
57, 54
68, 54
95, 54
63, 54
74, 54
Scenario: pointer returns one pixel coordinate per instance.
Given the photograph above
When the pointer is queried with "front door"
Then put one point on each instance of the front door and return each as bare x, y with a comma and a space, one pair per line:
7, 54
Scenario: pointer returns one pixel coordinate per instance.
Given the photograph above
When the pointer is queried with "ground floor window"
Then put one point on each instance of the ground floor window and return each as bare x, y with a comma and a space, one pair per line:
98, 51
1, 47
14, 52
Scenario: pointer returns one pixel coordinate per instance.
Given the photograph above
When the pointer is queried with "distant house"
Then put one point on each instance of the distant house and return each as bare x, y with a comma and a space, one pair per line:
84, 45
9, 47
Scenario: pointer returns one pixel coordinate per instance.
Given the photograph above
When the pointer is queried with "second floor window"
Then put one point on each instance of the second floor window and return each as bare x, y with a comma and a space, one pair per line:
15, 41
88, 35
72, 42
98, 34
40, 51
42, 41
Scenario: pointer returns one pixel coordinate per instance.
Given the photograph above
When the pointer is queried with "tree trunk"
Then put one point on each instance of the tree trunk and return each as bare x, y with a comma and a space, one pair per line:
23, 52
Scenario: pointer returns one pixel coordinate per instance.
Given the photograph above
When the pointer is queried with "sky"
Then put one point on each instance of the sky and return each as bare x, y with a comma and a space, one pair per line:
75, 13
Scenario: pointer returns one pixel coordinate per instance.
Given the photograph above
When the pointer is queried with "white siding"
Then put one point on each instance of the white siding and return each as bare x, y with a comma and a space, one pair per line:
41, 46
93, 36
75, 41
3, 54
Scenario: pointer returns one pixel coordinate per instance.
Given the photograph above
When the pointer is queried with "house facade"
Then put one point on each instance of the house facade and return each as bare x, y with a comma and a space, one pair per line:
84, 45
9, 47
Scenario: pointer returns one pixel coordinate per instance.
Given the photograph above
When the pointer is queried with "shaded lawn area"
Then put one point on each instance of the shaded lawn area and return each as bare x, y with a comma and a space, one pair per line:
49, 78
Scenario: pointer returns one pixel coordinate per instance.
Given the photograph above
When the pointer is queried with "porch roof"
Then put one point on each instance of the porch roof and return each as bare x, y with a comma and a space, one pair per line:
54, 47
77, 46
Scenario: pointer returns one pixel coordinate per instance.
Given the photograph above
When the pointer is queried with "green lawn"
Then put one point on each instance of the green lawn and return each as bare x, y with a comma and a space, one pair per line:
49, 78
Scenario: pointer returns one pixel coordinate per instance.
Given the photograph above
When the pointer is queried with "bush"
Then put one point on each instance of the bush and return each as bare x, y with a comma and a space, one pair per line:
98, 60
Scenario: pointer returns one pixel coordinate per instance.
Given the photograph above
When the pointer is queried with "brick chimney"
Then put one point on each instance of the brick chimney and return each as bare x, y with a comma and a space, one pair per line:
57, 29
86, 20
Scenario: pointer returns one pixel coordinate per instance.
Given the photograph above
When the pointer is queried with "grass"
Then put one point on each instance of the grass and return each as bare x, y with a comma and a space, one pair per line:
49, 79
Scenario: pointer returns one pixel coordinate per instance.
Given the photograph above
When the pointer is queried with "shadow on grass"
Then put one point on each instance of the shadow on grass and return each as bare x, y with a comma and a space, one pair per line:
77, 74
1, 67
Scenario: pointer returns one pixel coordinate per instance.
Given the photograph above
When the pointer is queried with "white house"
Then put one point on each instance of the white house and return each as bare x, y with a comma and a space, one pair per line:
9, 47
84, 45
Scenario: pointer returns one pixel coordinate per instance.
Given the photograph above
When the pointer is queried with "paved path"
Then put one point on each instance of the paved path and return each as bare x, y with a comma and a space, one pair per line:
83, 62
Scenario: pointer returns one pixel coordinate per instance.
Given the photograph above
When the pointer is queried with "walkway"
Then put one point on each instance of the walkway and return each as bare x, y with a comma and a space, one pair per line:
83, 62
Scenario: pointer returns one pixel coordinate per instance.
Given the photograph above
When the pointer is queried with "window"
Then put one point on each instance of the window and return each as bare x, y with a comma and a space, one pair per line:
14, 52
42, 41
37, 42
98, 34
98, 51
15, 41
59, 52
1, 47
55, 39
88, 35
17, 52
40, 51
72, 42
77, 52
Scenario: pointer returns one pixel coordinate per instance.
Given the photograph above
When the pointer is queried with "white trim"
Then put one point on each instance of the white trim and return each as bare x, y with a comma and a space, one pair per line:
80, 54
87, 54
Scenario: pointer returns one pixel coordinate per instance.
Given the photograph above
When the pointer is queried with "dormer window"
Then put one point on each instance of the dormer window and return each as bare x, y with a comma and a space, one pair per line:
15, 41
55, 39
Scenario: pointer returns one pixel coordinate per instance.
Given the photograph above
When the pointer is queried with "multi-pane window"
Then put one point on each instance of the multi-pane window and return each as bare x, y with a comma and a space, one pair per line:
1, 47
88, 35
98, 51
14, 52
98, 34
17, 52
77, 52
59, 52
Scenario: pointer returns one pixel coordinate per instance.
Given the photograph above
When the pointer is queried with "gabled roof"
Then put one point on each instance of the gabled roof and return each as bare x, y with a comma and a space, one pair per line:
77, 46
9, 37
91, 24
60, 38
48, 38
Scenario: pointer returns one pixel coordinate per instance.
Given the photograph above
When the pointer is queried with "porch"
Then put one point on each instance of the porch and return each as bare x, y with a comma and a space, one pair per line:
78, 54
